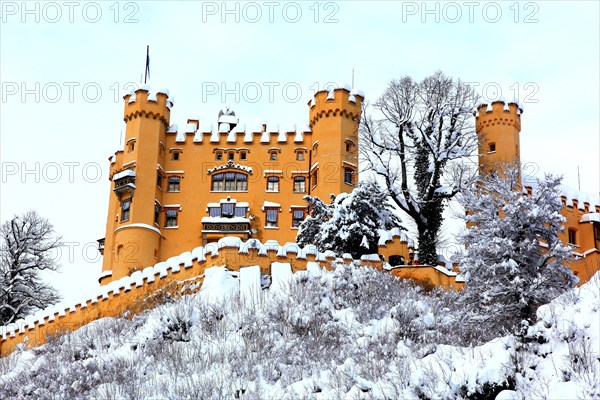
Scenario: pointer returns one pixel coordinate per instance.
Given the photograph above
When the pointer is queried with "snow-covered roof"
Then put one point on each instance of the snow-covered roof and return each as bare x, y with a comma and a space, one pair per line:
124, 174
591, 217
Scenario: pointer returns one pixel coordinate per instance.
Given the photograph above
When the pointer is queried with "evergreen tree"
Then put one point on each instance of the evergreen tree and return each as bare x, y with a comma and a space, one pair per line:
514, 261
350, 223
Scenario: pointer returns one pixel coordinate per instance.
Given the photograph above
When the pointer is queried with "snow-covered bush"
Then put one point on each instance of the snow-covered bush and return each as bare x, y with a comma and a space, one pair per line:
350, 223
350, 333
514, 261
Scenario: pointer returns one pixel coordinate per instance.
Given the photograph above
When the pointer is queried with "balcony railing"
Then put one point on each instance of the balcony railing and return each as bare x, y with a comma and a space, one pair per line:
101, 246
124, 182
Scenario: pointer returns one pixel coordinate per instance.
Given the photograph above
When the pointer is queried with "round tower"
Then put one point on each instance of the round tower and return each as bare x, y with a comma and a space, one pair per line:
498, 127
132, 233
334, 117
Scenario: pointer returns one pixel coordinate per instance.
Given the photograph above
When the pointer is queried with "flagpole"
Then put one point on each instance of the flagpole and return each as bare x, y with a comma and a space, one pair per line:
147, 63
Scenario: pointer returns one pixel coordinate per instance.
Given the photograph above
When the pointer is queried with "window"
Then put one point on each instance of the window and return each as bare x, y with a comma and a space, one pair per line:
492, 147
596, 231
273, 156
348, 146
348, 176
230, 156
156, 213
271, 217
299, 184
229, 182
159, 178
315, 149
171, 220
243, 155
131, 146
272, 184
314, 178
219, 156
125, 210
573, 237
227, 210
173, 184
300, 156
175, 156
297, 217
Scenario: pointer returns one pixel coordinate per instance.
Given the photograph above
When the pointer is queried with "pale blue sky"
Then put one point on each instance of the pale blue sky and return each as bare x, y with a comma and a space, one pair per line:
548, 51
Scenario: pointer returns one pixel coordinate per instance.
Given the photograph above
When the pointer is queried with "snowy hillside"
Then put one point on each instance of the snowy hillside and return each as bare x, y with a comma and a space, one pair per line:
352, 333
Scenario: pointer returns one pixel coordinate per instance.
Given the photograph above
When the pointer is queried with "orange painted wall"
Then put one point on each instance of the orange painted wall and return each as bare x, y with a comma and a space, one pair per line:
328, 145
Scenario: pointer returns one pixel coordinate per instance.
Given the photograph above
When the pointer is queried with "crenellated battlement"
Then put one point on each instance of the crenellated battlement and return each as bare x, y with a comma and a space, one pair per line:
144, 103
498, 113
344, 101
241, 134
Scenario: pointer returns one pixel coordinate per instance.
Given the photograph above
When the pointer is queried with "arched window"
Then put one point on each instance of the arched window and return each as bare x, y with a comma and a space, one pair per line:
229, 182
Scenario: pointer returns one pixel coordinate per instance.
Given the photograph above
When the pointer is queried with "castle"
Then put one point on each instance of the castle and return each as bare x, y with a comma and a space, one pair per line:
184, 200
177, 188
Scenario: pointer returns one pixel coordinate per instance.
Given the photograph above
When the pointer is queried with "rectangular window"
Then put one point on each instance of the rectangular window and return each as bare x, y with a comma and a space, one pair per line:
240, 212
572, 236
297, 217
300, 156
492, 147
156, 213
175, 156
348, 176
171, 218
272, 184
241, 182
214, 211
125, 210
219, 156
229, 181
273, 156
299, 184
230, 156
271, 219
314, 179
596, 231
159, 180
227, 210
218, 183
173, 184
243, 155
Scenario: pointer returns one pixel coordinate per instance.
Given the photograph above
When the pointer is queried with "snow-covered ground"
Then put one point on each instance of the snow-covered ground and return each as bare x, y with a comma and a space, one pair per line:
351, 333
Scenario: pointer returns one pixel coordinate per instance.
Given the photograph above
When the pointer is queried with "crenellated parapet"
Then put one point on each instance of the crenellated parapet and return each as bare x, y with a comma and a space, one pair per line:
345, 102
498, 113
142, 103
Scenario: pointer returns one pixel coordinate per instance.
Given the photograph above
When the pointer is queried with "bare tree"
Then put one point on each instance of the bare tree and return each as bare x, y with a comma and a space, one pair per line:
422, 129
27, 243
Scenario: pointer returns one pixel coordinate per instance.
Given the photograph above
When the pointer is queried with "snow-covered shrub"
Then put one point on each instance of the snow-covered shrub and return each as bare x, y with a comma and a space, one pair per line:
514, 261
350, 223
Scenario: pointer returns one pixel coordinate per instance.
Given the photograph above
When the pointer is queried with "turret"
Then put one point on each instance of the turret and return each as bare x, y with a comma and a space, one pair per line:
498, 126
132, 233
334, 117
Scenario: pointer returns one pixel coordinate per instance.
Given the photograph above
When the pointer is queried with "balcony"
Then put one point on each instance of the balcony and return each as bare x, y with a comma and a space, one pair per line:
124, 182
238, 226
101, 246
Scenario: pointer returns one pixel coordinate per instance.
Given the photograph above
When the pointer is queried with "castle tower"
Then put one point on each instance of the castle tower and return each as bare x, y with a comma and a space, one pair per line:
334, 117
132, 232
498, 127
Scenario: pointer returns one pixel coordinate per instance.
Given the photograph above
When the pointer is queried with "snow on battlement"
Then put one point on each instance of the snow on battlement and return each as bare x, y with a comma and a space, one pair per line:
259, 132
193, 262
